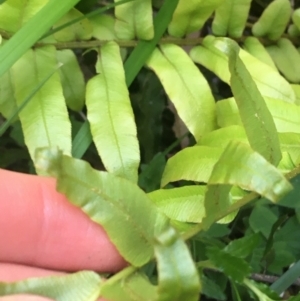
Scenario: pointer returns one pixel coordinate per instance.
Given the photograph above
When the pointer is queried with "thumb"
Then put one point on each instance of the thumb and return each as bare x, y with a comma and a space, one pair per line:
39, 227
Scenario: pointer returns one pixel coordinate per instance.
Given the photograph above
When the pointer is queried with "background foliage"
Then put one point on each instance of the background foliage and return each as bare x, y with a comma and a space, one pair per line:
186, 114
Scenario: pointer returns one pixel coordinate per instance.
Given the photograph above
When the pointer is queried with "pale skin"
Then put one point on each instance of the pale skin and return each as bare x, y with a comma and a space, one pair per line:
42, 234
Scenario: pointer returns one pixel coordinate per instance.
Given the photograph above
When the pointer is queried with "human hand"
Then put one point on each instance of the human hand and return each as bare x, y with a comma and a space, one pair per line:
41, 233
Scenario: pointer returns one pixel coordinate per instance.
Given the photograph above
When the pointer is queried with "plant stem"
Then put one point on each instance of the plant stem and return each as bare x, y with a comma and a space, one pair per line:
133, 43
121, 275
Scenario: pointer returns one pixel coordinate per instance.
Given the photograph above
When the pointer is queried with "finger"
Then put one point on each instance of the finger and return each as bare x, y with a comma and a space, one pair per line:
10, 272
24, 298
39, 227
14, 272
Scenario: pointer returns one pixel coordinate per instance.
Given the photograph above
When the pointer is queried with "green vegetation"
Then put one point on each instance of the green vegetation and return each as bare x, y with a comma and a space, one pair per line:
188, 113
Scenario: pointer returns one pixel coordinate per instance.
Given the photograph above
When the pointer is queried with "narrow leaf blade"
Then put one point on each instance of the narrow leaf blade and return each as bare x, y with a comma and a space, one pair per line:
190, 16
186, 87
134, 19
79, 286
111, 117
254, 113
230, 18
72, 79
178, 277
272, 23
257, 49
45, 119
287, 59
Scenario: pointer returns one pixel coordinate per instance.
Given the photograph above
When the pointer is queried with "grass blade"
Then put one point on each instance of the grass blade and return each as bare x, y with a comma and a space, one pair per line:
287, 279
8, 122
11, 51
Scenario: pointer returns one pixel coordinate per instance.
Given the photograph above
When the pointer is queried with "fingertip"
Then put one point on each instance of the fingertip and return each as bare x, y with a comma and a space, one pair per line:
39, 226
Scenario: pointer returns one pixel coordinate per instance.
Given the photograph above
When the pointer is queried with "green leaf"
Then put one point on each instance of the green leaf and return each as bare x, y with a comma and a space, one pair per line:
72, 79
263, 292
283, 258
79, 286
296, 18
288, 234
191, 16
8, 103
211, 289
144, 49
290, 143
212, 54
110, 115
240, 165
254, 113
286, 58
94, 12
286, 164
243, 247
274, 20
217, 201
192, 163
81, 141
235, 268
132, 65
125, 212
221, 137
293, 31
103, 27
134, 19
292, 199
32, 31
178, 276
17, 111
230, 18
185, 204
262, 219
151, 174
78, 31
253, 46
132, 287
296, 89
186, 87
285, 115
14, 15
45, 119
